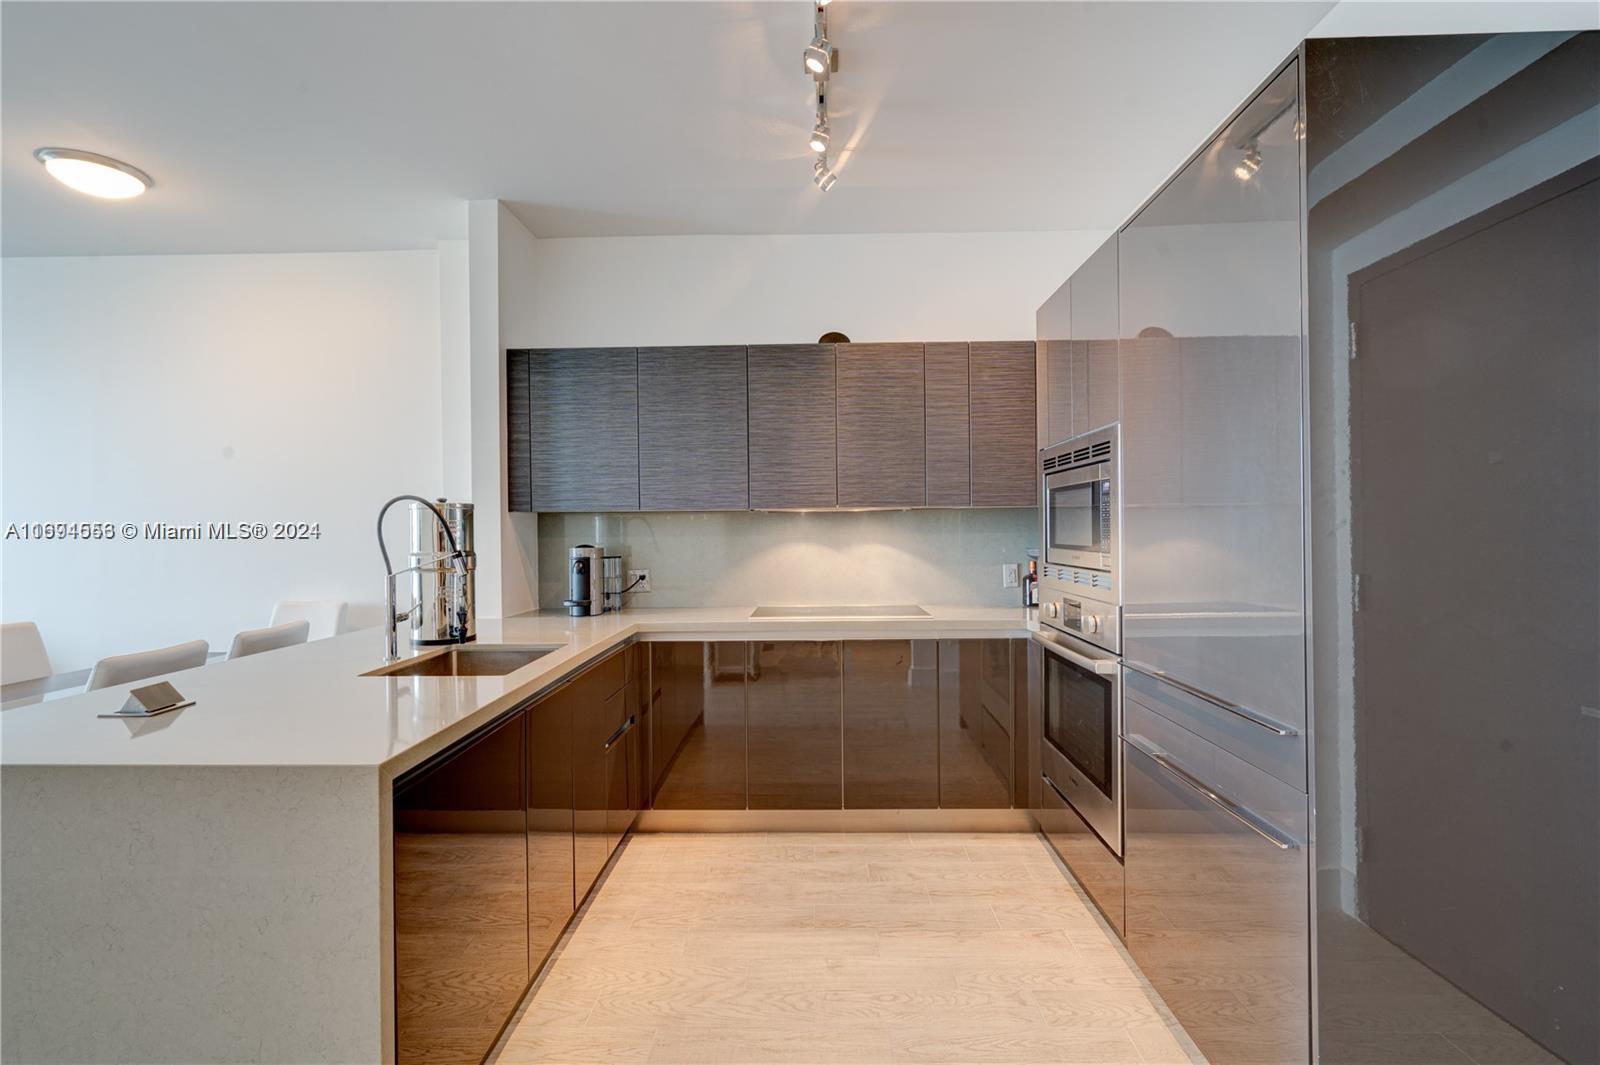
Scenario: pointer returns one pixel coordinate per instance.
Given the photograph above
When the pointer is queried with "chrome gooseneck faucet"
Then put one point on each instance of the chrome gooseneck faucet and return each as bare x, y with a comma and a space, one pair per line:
392, 615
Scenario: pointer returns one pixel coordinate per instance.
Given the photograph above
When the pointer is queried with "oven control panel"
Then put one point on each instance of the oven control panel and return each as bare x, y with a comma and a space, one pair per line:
1093, 620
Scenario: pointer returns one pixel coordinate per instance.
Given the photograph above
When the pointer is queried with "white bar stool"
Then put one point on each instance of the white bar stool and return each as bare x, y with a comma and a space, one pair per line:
142, 665
254, 641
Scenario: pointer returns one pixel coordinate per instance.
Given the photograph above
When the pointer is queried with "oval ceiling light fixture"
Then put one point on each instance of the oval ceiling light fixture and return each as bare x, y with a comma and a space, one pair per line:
92, 174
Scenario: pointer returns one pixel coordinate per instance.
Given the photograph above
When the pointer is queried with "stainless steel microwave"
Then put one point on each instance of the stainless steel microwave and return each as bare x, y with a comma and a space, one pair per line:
1078, 580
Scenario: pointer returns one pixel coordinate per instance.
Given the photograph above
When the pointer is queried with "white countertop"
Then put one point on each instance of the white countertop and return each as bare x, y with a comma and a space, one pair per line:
309, 705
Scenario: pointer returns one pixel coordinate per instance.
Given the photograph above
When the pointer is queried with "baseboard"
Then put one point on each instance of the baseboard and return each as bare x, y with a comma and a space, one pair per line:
834, 821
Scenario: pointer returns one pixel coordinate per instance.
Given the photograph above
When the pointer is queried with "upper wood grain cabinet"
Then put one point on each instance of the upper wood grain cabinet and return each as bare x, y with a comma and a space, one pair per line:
582, 428
793, 441
881, 426
948, 395
519, 459
1004, 452
693, 429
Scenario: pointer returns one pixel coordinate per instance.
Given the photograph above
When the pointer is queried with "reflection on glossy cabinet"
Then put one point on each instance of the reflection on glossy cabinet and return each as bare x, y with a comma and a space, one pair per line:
1097, 870
1094, 334
891, 722
794, 720
1209, 293
1053, 371
698, 720
461, 898
975, 716
550, 870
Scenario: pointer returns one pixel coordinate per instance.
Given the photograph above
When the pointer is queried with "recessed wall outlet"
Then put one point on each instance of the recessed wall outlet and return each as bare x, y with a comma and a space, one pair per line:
642, 576
1008, 575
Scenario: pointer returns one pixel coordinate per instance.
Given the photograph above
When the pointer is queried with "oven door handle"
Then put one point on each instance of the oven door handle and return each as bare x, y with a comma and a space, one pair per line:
1240, 813
1102, 666
1254, 717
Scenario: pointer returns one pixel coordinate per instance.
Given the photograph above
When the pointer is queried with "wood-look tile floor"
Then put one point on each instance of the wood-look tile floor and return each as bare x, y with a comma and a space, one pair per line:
848, 948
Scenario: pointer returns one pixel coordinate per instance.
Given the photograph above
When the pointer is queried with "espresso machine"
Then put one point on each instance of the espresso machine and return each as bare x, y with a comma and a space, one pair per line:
594, 581
445, 610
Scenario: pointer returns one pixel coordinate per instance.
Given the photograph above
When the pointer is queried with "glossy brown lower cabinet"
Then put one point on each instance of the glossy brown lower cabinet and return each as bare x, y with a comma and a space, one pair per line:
550, 852
698, 720
461, 900
891, 724
975, 723
793, 709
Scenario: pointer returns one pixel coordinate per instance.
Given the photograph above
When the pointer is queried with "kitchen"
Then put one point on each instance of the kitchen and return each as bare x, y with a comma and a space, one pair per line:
882, 643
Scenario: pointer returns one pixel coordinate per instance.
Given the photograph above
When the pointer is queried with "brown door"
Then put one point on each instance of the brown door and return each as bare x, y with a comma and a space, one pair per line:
1476, 434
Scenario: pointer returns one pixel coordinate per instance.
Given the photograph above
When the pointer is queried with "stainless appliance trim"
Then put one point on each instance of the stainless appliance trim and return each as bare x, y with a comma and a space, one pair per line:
1105, 666
1243, 814
1101, 809
1252, 716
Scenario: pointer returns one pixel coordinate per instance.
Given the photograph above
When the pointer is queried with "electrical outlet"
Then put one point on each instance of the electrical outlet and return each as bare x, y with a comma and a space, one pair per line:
640, 575
1008, 575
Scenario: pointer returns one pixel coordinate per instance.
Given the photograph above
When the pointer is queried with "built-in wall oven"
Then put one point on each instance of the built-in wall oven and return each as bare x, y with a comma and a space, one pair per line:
1080, 754
1081, 490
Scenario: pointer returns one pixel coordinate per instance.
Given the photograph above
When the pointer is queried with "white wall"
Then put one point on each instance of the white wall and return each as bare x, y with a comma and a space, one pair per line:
210, 388
620, 291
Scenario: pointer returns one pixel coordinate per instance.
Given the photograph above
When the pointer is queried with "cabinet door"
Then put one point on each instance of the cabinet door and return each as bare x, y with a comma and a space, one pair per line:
891, 724
1216, 893
882, 437
794, 714
461, 899
1053, 374
699, 721
599, 704
693, 429
582, 429
550, 847
1212, 385
793, 442
975, 756
948, 388
1004, 456
519, 424
1095, 331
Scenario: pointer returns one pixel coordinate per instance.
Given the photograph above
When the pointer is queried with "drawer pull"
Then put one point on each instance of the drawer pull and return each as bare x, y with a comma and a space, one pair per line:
1242, 814
621, 732
1261, 720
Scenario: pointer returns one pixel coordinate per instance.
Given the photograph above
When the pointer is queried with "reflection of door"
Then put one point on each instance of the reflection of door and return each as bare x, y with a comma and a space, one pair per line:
1476, 401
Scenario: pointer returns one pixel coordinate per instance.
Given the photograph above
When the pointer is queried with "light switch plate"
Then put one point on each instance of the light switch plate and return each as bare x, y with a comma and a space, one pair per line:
1008, 575
640, 575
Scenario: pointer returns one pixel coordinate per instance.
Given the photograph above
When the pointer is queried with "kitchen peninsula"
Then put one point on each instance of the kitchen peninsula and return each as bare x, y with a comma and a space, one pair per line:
230, 889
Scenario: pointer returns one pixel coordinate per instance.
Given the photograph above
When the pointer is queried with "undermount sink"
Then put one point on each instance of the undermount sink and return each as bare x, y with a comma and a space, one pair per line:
829, 613
465, 661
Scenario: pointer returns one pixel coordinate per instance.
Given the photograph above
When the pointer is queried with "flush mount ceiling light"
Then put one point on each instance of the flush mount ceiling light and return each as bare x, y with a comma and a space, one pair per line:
821, 61
1249, 164
92, 174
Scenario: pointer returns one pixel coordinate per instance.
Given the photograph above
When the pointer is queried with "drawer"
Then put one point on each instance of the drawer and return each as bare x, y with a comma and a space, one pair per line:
1283, 757
1092, 864
1217, 892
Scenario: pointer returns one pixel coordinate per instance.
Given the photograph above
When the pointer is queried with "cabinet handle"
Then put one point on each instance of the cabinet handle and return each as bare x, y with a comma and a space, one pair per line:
1242, 814
1277, 728
621, 732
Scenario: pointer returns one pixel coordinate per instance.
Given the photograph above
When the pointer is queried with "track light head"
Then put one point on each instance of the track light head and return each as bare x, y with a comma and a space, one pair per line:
1249, 164
819, 56
819, 138
823, 175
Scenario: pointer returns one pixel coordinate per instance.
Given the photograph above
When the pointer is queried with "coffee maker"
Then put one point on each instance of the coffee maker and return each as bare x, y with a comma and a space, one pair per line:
594, 581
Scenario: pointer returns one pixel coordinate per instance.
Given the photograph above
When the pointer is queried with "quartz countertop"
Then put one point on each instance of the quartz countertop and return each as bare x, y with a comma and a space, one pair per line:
309, 706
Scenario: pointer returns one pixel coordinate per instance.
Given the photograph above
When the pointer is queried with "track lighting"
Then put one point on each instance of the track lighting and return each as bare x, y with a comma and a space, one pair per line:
819, 137
819, 55
1249, 164
823, 175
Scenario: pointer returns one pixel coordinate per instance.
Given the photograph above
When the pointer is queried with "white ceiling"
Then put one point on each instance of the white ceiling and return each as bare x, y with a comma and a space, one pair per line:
329, 126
